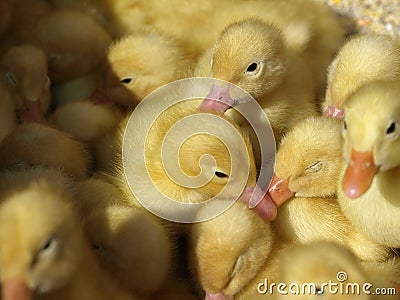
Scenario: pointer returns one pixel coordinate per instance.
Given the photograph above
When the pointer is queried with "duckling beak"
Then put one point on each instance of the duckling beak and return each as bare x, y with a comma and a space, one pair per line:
359, 173
219, 296
31, 111
218, 100
333, 112
15, 289
256, 198
279, 190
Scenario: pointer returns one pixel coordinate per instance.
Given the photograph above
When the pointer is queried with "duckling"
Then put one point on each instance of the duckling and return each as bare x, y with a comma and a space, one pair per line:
253, 55
142, 61
72, 52
305, 184
8, 120
37, 144
132, 246
362, 59
371, 161
85, 120
43, 252
229, 250
24, 72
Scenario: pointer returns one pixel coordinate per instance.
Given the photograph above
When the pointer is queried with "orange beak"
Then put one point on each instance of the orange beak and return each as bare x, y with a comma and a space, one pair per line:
359, 174
279, 190
15, 289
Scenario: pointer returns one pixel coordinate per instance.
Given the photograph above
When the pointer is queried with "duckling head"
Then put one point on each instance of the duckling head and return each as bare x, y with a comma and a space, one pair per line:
24, 70
140, 63
371, 130
307, 160
40, 247
250, 54
208, 157
72, 52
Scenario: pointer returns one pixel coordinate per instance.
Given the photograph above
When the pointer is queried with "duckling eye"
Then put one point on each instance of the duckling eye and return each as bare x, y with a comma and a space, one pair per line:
48, 246
253, 68
315, 167
10, 76
221, 175
126, 80
391, 129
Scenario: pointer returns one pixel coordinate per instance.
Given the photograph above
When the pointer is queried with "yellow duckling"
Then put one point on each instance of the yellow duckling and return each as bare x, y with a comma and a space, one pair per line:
141, 62
307, 170
24, 73
43, 253
371, 161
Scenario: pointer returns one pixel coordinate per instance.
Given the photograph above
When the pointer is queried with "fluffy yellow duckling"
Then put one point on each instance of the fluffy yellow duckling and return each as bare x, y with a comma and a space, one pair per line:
252, 54
43, 252
85, 120
229, 250
141, 62
72, 52
362, 59
8, 119
324, 270
371, 161
307, 169
24, 72
37, 144
132, 246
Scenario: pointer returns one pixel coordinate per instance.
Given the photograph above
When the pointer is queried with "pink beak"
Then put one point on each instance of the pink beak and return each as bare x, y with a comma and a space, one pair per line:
218, 100
334, 112
15, 289
256, 198
31, 111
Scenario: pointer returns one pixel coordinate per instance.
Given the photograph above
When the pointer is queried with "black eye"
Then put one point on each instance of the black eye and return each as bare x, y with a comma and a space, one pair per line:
126, 80
252, 67
46, 245
391, 128
344, 125
221, 175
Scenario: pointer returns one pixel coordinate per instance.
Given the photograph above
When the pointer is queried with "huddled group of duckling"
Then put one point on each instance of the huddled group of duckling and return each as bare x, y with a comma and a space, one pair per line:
71, 225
